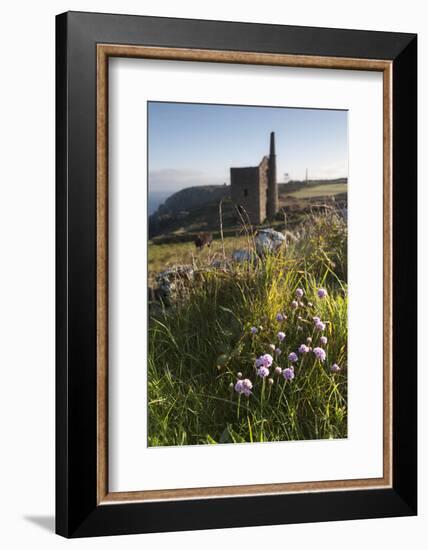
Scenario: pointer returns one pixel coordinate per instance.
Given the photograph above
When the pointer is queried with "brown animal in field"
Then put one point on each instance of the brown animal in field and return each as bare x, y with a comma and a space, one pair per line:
203, 239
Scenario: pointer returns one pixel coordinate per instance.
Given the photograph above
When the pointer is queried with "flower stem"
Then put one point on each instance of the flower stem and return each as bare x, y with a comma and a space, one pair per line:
262, 398
282, 393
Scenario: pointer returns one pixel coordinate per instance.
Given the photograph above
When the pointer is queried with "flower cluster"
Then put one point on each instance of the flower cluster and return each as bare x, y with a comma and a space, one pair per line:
318, 324
244, 387
294, 360
320, 354
265, 360
303, 348
288, 373
263, 372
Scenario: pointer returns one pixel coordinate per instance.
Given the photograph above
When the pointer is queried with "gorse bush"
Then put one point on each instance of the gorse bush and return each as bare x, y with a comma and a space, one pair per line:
255, 352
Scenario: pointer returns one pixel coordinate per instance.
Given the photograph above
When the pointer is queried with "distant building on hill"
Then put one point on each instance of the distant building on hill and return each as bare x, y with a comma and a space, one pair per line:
254, 189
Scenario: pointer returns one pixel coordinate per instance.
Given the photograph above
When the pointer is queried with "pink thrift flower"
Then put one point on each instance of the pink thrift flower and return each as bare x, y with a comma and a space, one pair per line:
319, 325
319, 354
263, 372
265, 360
288, 374
244, 387
322, 293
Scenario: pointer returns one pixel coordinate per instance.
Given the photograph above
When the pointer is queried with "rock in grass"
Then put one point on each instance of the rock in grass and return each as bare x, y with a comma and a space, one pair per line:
269, 241
167, 281
242, 255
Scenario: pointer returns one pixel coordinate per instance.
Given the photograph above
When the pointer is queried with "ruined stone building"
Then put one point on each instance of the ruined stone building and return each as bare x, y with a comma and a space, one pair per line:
254, 189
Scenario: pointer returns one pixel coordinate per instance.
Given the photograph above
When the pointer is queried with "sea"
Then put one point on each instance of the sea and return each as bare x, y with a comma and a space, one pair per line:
156, 198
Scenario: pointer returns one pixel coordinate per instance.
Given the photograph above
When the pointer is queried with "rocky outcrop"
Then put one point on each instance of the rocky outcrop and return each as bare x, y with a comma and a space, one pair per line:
269, 241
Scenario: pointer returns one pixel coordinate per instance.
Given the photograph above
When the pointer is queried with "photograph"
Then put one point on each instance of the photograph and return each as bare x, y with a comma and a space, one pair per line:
247, 274
213, 275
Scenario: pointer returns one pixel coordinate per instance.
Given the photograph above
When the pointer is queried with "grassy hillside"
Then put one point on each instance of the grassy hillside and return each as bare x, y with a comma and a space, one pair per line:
203, 346
162, 256
321, 190
193, 210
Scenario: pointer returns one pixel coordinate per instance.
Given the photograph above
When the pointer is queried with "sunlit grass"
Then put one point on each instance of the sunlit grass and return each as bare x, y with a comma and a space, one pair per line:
198, 346
162, 256
322, 190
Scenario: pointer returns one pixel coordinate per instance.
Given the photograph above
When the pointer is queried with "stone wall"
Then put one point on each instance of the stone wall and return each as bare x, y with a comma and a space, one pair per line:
249, 190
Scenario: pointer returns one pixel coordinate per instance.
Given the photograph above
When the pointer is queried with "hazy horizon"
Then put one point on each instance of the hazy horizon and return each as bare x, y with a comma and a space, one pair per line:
196, 144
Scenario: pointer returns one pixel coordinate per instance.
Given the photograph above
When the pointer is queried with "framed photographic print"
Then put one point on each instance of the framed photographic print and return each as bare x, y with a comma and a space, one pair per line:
236, 274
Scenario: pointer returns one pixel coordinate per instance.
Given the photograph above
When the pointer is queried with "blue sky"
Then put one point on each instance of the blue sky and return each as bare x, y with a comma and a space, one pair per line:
196, 144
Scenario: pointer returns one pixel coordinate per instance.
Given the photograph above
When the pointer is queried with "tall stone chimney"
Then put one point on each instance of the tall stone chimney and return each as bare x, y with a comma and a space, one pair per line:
272, 194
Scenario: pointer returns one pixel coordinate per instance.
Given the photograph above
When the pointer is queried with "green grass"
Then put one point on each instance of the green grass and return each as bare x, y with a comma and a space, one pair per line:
323, 190
162, 256
198, 346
